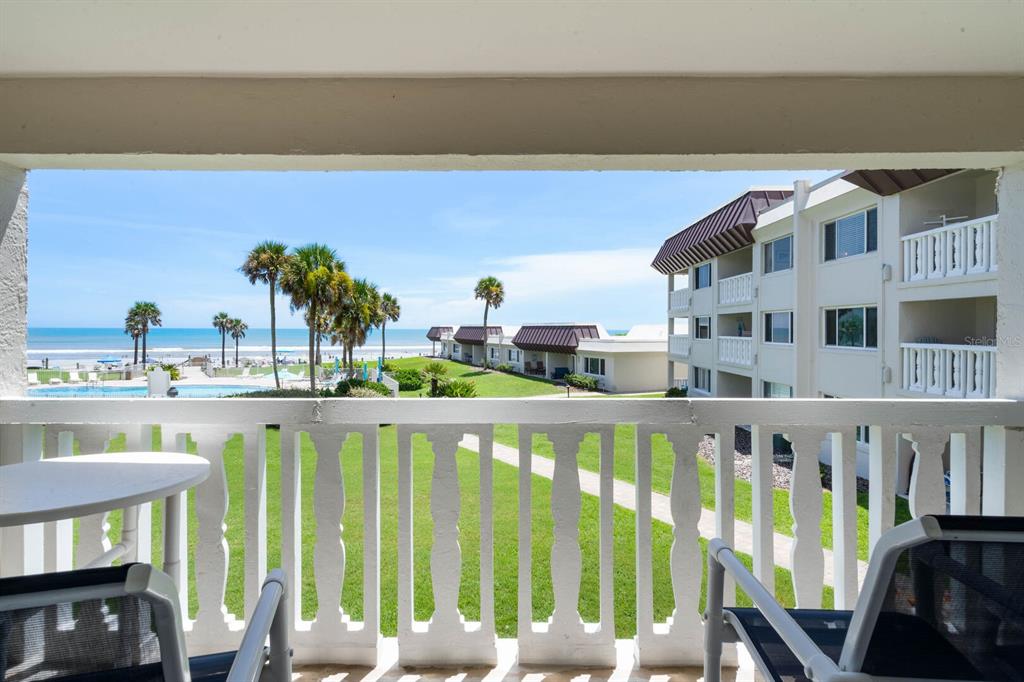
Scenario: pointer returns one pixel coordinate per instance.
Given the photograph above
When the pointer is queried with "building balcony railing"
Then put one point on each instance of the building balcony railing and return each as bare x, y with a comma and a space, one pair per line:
736, 290
679, 300
949, 371
679, 344
269, 457
953, 250
736, 350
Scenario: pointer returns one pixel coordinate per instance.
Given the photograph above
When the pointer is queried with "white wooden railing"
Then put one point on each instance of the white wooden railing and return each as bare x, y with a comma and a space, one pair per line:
679, 299
952, 250
736, 350
948, 370
679, 344
317, 429
736, 290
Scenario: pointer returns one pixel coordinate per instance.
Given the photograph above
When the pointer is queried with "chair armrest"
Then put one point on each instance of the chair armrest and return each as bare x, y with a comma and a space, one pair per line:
721, 559
269, 618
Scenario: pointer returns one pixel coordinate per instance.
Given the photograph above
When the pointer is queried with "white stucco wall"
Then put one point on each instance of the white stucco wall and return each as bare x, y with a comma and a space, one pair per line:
13, 279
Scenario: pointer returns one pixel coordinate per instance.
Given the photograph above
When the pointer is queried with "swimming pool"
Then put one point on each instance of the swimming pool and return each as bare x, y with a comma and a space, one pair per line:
197, 391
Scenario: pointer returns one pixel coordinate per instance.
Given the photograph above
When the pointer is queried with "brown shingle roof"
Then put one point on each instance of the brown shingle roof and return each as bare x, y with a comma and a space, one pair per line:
727, 229
553, 338
474, 336
886, 182
435, 333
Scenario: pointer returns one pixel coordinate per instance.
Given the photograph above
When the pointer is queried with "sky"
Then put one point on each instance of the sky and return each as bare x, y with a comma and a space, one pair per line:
569, 246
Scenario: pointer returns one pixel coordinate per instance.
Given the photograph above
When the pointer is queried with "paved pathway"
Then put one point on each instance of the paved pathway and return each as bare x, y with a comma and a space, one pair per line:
624, 495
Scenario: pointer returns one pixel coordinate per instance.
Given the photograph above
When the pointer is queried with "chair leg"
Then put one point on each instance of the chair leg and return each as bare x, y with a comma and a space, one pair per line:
714, 620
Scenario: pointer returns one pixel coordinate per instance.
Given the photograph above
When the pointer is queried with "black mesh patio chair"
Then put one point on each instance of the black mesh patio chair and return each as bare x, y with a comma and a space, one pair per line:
943, 599
124, 623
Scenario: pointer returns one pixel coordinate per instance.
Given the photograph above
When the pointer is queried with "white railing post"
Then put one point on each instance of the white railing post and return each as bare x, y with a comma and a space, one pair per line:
805, 505
844, 517
927, 478
762, 481
725, 495
1003, 467
965, 472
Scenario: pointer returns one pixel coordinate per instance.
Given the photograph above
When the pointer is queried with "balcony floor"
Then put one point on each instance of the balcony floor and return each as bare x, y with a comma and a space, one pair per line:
507, 669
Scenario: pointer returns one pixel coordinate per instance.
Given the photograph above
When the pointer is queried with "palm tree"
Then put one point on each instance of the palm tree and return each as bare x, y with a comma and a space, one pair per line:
133, 328
310, 278
491, 291
220, 322
237, 329
389, 310
147, 314
264, 264
354, 316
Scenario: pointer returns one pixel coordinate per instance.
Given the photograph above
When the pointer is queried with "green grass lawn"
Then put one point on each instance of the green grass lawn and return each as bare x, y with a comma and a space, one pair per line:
489, 384
505, 534
44, 375
662, 459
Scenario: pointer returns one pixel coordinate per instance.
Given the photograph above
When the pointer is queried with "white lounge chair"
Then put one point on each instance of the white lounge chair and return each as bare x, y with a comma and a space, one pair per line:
55, 381
93, 378
33, 379
73, 377
246, 372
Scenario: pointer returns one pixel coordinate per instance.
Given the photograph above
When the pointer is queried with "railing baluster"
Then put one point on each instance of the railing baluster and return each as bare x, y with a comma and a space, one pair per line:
291, 515
725, 495
965, 471
255, 444
59, 536
927, 482
844, 517
762, 481
329, 551
882, 482
805, 497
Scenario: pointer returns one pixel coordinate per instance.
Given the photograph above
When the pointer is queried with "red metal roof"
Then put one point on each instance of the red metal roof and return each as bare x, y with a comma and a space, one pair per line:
434, 333
553, 338
886, 182
474, 336
727, 229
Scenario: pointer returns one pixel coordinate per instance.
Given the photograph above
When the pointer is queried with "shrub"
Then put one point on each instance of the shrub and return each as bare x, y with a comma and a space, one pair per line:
581, 381
346, 386
675, 392
434, 369
367, 392
505, 367
458, 388
408, 380
173, 370
276, 393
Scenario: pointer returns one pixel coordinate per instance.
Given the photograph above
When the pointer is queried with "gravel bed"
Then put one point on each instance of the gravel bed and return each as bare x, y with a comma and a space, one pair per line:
782, 464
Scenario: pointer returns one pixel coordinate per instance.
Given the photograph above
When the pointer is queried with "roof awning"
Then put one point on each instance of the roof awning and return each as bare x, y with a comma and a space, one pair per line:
435, 333
727, 229
553, 338
475, 336
886, 182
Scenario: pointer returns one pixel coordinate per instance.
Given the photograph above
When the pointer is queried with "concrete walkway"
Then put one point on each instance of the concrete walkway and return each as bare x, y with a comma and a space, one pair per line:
625, 496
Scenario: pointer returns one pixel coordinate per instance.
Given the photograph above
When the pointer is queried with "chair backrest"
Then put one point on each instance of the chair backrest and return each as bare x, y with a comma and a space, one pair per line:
120, 622
943, 599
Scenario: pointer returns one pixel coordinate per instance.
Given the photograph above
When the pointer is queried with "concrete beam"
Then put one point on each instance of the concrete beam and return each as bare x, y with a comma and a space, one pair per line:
476, 123
13, 280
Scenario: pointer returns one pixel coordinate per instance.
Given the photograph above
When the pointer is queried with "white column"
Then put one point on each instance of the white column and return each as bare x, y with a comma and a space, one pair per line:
22, 546
13, 279
671, 330
805, 308
1003, 456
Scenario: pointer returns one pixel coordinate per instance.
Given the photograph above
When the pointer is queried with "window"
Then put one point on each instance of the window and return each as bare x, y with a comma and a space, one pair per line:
852, 327
494, 353
851, 236
863, 432
702, 379
703, 327
778, 255
513, 355
456, 348
593, 366
703, 278
773, 389
778, 327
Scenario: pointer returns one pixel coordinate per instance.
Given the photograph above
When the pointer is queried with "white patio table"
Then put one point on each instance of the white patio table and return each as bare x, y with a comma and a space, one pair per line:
71, 487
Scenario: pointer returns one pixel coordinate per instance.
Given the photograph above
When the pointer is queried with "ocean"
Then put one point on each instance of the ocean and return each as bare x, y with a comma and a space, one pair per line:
70, 345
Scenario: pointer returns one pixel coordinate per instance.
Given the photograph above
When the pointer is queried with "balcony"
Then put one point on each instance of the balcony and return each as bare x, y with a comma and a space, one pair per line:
954, 250
282, 456
679, 344
736, 290
736, 350
949, 371
679, 301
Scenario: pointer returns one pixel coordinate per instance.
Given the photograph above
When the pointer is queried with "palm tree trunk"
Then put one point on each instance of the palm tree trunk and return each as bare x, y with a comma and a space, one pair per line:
312, 346
223, 348
383, 340
236, 352
135, 356
273, 332
144, 334
487, 306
